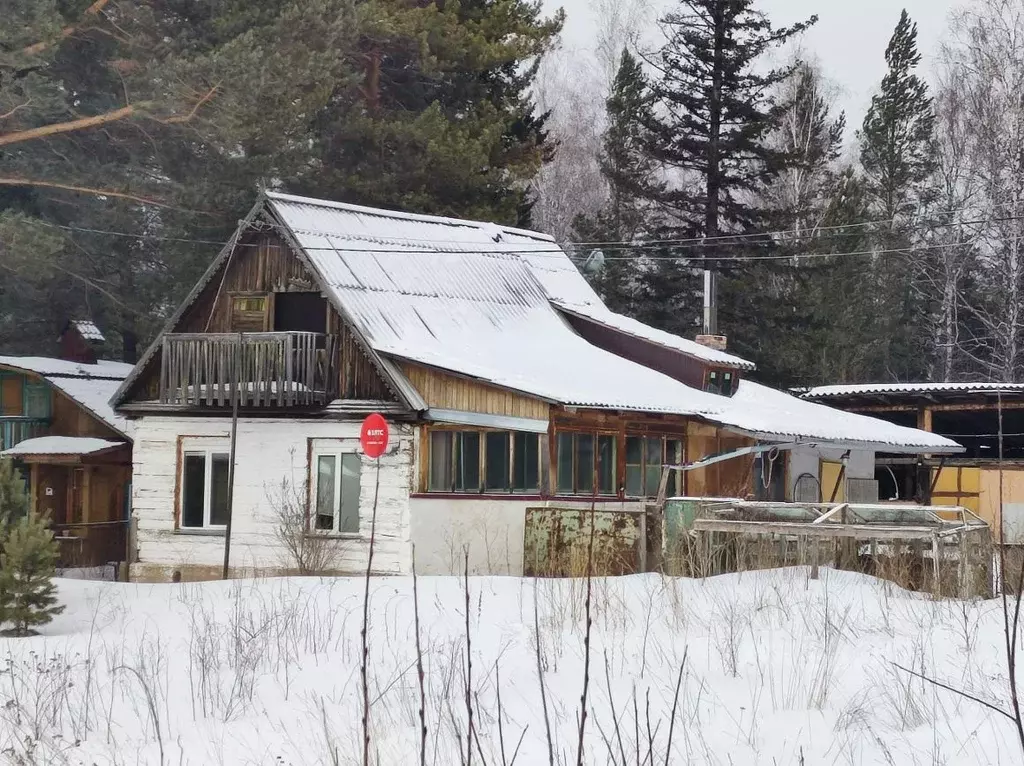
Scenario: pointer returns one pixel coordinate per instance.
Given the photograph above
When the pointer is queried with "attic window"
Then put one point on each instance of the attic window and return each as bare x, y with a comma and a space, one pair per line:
248, 313
721, 382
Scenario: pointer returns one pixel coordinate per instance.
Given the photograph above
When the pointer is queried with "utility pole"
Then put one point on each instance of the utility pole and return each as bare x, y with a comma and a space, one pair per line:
235, 396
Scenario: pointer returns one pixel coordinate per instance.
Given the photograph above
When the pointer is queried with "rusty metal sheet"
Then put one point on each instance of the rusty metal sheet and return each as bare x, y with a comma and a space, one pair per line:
557, 541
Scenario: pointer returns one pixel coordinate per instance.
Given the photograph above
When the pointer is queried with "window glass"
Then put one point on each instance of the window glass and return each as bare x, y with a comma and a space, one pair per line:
193, 490
467, 461
496, 461
606, 465
37, 400
634, 466
727, 383
652, 465
584, 464
526, 470
219, 490
440, 461
713, 385
351, 470
325, 482
674, 456
565, 463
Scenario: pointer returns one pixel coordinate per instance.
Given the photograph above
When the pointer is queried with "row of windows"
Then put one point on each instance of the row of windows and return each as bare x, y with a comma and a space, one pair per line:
494, 461
499, 461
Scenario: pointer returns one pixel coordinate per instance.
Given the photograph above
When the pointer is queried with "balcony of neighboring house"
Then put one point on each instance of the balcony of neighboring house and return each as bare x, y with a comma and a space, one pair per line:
25, 409
267, 369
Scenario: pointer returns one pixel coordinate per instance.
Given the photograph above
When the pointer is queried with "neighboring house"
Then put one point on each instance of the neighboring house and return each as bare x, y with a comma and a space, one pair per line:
506, 381
57, 424
973, 414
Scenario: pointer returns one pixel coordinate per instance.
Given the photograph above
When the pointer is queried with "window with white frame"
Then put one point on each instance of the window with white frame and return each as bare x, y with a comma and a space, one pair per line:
336, 492
204, 488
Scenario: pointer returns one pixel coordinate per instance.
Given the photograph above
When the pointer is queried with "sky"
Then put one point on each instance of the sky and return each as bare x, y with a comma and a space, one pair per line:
849, 39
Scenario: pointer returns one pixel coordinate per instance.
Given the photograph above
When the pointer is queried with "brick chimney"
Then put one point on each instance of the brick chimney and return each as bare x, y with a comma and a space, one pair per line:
717, 342
79, 341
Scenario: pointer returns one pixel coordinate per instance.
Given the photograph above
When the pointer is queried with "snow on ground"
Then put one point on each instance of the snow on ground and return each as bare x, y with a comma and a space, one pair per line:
776, 669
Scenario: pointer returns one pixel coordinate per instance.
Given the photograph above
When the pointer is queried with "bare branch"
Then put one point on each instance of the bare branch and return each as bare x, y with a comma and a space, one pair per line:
960, 692
15, 110
7, 181
39, 47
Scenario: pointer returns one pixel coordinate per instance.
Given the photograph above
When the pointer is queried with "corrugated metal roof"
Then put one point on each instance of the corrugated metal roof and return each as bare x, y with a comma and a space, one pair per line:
90, 385
477, 299
823, 392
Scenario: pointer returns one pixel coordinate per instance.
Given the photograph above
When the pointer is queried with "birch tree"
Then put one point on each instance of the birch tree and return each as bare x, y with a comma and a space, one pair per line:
987, 60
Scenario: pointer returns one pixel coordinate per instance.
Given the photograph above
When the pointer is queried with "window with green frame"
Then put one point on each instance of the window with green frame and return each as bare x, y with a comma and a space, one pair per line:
22, 397
645, 458
583, 458
483, 461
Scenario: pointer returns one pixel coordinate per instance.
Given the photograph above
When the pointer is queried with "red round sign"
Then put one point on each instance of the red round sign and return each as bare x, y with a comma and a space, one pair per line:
373, 436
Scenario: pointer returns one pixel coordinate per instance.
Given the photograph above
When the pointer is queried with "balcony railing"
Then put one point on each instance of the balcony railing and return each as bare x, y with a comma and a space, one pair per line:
17, 429
271, 369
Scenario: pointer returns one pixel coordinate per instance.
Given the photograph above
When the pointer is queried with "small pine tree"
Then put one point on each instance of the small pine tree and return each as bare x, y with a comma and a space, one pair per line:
14, 500
27, 592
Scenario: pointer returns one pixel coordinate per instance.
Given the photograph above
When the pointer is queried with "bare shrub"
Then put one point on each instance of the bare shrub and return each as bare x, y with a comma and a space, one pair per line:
305, 550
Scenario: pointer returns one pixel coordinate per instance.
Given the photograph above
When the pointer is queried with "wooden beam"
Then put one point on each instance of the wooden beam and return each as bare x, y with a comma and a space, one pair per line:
849, 531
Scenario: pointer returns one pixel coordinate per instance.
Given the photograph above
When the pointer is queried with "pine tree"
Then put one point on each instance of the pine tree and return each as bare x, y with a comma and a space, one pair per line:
627, 170
897, 155
27, 592
14, 500
896, 139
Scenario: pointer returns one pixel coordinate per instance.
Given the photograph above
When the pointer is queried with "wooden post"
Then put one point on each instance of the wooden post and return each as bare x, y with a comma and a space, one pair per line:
231, 458
936, 568
814, 559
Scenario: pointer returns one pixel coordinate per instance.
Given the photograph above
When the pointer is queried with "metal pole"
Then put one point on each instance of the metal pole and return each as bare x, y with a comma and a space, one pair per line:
710, 302
235, 396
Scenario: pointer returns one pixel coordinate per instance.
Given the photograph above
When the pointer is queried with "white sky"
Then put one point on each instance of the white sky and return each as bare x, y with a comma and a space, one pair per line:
849, 39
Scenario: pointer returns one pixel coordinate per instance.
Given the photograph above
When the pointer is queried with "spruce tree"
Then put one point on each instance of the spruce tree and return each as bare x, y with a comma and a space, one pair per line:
627, 170
27, 566
14, 500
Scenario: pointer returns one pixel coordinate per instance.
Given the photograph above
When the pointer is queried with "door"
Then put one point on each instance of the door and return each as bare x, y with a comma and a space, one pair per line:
300, 312
52, 500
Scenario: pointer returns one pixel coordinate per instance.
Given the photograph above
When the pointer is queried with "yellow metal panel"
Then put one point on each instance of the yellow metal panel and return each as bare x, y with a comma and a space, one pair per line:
946, 482
970, 479
829, 476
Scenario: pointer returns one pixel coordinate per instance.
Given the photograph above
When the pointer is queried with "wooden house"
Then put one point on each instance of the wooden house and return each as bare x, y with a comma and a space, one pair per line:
507, 383
57, 424
973, 414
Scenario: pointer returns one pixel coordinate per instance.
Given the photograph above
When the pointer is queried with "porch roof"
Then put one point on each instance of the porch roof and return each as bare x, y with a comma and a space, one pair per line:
61, 446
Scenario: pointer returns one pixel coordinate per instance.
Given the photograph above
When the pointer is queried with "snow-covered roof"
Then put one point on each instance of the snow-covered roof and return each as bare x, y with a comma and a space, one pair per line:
60, 445
630, 326
90, 385
866, 389
88, 330
484, 301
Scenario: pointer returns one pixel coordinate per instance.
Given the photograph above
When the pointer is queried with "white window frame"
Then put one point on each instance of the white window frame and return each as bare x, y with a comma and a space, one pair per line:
314, 495
208, 453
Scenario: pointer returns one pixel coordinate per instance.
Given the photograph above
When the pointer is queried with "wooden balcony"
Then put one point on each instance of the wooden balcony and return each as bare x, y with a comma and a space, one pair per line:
271, 369
17, 429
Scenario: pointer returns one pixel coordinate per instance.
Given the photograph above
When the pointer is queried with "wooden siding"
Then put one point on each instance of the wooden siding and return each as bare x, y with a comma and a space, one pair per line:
445, 391
265, 265
270, 452
69, 419
730, 478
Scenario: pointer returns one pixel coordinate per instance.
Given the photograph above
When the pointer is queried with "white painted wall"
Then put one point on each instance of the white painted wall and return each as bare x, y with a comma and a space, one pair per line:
269, 451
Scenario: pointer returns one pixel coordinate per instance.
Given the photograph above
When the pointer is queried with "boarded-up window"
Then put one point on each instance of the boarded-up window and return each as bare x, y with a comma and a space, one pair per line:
248, 313
11, 395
